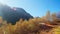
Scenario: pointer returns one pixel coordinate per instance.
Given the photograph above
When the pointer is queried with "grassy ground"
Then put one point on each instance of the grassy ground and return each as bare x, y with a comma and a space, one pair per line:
57, 30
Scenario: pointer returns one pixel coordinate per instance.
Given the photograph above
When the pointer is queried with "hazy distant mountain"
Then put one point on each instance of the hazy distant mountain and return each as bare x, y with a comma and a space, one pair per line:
58, 15
13, 14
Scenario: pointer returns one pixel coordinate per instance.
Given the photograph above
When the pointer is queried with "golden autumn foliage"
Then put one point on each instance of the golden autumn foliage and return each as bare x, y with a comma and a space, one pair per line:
32, 26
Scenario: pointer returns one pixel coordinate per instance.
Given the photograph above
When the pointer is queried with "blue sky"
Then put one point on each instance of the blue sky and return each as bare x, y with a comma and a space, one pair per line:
35, 7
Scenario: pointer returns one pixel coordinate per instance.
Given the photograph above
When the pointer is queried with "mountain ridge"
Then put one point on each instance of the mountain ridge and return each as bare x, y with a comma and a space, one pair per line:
13, 14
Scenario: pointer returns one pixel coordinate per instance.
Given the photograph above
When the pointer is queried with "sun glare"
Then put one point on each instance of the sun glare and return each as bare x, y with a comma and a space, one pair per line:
2, 1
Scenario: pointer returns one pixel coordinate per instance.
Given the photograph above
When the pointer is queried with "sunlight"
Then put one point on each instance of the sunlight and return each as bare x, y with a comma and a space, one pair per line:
2, 1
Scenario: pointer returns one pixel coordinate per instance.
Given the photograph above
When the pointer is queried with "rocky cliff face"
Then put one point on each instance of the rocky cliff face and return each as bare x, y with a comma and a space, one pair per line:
13, 14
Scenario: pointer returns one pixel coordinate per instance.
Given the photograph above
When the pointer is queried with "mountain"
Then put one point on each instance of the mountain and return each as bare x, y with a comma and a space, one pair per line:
11, 15
58, 15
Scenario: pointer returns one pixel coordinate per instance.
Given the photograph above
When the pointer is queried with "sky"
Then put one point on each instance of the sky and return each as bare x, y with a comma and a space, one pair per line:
36, 8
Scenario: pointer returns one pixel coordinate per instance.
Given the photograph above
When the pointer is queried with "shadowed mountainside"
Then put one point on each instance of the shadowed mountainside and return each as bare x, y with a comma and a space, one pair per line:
13, 14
